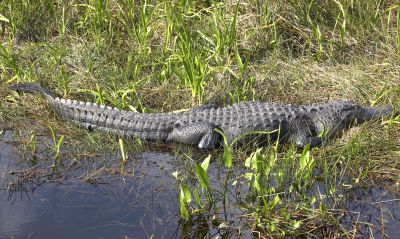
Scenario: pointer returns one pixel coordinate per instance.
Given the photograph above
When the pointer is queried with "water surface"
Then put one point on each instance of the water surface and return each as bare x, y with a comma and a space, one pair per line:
113, 207
97, 199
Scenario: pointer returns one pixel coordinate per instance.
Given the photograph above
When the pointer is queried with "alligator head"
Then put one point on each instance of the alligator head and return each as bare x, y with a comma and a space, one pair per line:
333, 118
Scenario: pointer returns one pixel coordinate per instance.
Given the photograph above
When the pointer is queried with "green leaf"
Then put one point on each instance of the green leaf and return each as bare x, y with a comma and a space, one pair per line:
272, 226
296, 224
3, 18
187, 196
197, 197
313, 199
249, 176
60, 140
248, 161
258, 161
202, 176
275, 202
227, 157
304, 158
206, 162
239, 60
182, 206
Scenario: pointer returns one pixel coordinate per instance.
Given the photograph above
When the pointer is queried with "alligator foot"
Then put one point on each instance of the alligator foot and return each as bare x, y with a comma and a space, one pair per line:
202, 134
313, 141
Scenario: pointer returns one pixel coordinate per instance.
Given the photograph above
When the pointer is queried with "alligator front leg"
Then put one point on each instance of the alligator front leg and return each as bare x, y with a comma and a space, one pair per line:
313, 141
202, 134
303, 137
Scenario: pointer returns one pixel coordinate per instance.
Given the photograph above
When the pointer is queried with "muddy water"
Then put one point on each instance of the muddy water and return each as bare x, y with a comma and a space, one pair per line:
114, 207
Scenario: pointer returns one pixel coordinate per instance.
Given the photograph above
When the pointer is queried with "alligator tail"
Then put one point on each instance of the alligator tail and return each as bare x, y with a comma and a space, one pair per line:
32, 88
103, 118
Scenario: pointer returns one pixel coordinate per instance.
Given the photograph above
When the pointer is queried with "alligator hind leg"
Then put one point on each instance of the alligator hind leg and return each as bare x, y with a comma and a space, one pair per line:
202, 134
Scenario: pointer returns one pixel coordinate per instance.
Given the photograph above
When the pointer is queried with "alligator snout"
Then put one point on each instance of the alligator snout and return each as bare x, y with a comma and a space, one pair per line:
372, 113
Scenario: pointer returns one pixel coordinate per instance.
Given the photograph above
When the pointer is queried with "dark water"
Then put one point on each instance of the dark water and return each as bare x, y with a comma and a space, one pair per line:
123, 207
96, 200
375, 211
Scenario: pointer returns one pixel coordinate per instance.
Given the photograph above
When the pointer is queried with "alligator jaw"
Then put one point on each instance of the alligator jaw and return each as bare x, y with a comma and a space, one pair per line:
365, 114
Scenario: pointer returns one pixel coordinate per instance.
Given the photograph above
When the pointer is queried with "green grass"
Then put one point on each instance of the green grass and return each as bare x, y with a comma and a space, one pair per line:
158, 56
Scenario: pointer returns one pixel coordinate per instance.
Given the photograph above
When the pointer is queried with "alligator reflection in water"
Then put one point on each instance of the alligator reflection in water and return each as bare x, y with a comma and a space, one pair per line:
137, 206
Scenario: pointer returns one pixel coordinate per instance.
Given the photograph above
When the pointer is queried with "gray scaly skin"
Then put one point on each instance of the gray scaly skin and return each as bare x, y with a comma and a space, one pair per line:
301, 125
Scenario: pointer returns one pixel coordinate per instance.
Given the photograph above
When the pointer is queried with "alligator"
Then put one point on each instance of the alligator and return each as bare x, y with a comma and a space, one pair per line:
204, 126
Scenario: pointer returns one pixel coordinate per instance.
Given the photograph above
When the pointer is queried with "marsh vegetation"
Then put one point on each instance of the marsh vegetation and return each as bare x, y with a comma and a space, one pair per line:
160, 56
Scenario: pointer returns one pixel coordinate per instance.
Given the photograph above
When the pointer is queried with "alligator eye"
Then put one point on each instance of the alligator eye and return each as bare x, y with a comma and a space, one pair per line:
347, 108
